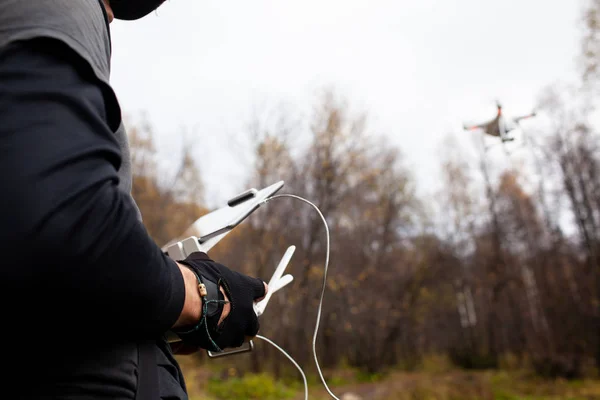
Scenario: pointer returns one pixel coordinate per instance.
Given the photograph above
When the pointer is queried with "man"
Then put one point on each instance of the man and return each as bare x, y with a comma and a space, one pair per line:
86, 295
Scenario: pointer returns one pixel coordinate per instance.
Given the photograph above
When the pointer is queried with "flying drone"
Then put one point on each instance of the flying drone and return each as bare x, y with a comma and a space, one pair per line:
500, 126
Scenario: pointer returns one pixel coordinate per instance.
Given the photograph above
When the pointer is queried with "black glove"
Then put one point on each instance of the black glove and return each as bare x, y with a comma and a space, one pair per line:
241, 290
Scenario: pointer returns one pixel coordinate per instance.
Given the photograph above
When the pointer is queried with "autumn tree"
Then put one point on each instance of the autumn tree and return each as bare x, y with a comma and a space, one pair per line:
169, 201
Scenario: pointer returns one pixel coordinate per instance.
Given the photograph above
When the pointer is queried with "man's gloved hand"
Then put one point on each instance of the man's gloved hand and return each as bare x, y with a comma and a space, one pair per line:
241, 291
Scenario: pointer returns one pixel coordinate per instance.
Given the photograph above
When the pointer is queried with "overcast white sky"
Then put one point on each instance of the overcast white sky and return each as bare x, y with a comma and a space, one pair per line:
420, 68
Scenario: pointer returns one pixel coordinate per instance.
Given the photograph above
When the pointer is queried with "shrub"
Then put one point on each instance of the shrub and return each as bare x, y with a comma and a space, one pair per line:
250, 387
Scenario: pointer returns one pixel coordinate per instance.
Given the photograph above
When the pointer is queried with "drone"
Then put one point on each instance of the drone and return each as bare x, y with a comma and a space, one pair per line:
500, 126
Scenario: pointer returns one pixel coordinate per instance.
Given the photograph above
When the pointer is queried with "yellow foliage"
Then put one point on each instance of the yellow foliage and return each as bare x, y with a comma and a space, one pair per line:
332, 285
168, 209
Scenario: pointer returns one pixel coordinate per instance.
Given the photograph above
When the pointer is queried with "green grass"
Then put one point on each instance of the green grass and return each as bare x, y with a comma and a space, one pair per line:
434, 379
251, 387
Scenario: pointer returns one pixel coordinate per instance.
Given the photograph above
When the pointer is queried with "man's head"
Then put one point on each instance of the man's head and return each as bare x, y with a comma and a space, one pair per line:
131, 9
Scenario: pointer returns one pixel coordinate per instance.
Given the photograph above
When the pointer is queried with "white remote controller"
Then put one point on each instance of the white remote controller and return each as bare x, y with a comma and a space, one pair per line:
278, 281
180, 250
215, 226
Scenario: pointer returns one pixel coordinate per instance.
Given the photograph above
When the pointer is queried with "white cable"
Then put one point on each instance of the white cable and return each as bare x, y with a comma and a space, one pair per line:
314, 341
291, 359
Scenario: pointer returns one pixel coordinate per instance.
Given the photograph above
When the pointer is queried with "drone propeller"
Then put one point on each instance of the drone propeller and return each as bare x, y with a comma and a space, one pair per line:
533, 114
471, 127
